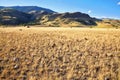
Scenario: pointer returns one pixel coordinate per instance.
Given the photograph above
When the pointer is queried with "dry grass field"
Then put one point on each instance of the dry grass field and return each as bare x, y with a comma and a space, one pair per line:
59, 54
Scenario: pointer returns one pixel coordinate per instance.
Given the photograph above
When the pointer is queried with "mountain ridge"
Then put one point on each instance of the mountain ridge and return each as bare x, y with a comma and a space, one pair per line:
28, 8
14, 15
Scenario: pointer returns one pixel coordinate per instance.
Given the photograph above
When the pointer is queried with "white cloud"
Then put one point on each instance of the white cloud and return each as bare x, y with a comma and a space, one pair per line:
89, 11
118, 3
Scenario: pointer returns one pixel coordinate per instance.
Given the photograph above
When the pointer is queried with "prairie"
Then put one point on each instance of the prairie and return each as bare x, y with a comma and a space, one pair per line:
59, 54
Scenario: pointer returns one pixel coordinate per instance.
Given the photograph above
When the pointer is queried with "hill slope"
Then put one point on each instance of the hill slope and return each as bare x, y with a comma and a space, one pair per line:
13, 17
65, 19
109, 23
24, 14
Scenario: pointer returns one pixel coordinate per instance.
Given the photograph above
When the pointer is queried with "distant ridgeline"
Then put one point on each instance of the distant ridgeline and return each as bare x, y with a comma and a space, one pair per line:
17, 15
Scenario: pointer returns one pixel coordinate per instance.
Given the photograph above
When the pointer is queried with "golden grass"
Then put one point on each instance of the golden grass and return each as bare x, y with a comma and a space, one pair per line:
59, 54
104, 25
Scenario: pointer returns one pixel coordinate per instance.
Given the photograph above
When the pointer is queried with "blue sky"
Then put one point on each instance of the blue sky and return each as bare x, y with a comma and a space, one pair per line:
97, 8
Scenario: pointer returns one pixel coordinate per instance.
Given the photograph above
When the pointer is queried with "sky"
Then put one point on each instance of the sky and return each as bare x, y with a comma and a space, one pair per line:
95, 8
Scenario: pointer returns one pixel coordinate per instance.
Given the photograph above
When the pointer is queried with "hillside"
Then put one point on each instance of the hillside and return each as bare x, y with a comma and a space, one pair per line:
76, 19
108, 23
10, 16
13, 17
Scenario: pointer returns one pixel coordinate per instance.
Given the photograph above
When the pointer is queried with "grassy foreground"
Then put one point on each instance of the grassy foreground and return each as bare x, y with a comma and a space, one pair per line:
59, 54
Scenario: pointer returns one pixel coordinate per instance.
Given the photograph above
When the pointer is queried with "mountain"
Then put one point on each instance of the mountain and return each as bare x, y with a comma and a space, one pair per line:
27, 9
13, 17
36, 15
65, 19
